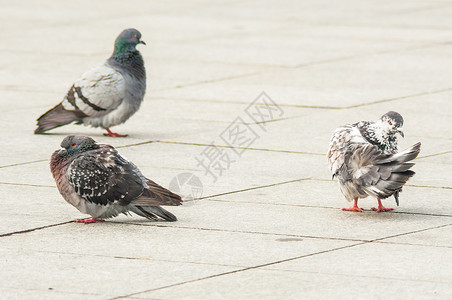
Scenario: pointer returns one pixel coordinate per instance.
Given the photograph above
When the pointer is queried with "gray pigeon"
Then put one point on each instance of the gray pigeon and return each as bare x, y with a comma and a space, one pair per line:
98, 181
104, 96
364, 158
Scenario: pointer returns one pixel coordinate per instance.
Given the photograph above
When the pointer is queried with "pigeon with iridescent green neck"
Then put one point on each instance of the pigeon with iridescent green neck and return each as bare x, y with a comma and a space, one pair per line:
106, 95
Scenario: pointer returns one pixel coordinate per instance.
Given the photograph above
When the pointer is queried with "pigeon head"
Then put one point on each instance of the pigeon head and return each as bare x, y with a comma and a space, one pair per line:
390, 123
75, 144
127, 41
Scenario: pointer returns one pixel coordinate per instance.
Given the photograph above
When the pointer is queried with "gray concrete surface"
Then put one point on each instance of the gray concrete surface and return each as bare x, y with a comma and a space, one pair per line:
270, 226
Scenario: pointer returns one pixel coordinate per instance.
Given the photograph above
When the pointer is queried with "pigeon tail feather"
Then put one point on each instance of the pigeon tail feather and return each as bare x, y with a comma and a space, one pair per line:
56, 117
404, 156
156, 195
152, 212
391, 173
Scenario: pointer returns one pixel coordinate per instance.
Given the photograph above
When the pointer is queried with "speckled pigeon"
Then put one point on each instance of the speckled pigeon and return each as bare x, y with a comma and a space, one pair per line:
364, 158
98, 181
106, 95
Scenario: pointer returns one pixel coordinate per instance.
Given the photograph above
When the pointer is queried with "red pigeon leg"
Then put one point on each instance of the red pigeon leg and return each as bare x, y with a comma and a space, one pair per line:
89, 220
381, 208
354, 207
112, 134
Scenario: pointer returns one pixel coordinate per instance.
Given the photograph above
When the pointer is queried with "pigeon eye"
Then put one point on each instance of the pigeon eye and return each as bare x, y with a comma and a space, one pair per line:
389, 122
134, 36
73, 145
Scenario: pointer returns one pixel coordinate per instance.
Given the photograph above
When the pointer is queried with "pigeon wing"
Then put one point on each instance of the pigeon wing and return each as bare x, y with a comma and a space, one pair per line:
97, 92
104, 177
157, 195
379, 174
361, 163
338, 147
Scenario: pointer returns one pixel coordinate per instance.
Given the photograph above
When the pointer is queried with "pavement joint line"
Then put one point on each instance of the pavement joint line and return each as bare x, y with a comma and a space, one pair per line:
19, 89
180, 143
326, 61
399, 98
442, 163
328, 207
240, 270
303, 65
136, 144
245, 148
252, 267
171, 261
411, 232
251, 188
436, 154
271, 121
246, 123
429, 186
139, 258
369, 103
350, 275
274, 263
336, 107
421, 214
411, 244
210, 81
366, 54
381, 240
220, 146
433, 137
34, 229
273, 203
244, 102
28, 184
322, 62
411, 185
246, 232
24, 163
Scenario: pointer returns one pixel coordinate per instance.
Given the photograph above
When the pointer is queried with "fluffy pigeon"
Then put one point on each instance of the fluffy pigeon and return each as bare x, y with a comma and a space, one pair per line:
364, 158
104, 96
98, 181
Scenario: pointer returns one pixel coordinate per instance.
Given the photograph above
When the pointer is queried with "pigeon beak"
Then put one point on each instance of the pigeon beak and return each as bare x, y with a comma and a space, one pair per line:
401, 133
141, 42
62, 152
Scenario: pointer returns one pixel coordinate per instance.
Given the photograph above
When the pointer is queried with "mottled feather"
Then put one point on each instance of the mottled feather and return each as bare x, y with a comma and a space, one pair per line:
365, 160
97, 180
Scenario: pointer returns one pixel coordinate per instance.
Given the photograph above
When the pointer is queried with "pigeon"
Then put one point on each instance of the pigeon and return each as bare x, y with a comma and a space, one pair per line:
365, 159
99, 181
106, 95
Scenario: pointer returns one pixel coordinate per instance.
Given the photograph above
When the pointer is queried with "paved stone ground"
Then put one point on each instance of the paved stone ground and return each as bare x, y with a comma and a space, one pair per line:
270, 226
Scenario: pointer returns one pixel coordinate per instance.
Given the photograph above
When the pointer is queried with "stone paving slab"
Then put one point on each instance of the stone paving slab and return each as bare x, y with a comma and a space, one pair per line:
179, 244
303, 221
372, 259
438, 237
315, 285
31, 207
119, 275
433, 201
